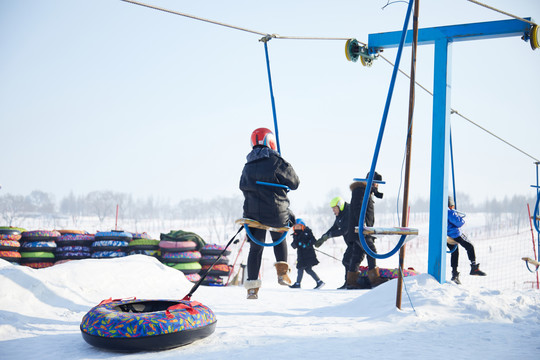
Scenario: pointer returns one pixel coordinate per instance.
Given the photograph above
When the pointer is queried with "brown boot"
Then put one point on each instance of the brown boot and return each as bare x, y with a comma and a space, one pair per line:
352, 279
375, 277
283, 269
252, 287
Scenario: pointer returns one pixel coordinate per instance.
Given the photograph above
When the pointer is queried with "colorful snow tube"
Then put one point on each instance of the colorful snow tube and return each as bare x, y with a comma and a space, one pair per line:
109, 245
186, 268
214, 249
144, 244
177, 246
108, 254
388, 273
78, 232
114, 235
180, 257
75, 239
37, 259
217, 270
11, 256
10, 233
146, 325
213, 281
193, 277
49, 246
39, 235
210, 259
9, 245
73, 252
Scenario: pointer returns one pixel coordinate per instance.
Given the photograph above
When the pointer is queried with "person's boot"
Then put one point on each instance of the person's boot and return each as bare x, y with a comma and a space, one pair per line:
455, 277
296, 285
475, 270
375, 277
252, 287
352, 279
344, 286
319, 285
283, 269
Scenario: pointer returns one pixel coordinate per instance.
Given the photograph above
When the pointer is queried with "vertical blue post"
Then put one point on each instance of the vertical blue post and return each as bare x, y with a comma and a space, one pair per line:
438, 207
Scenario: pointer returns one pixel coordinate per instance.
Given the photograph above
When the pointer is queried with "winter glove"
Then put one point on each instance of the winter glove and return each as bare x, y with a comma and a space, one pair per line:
321, 240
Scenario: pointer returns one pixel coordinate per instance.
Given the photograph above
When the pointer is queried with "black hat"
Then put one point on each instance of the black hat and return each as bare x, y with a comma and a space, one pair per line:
377, 176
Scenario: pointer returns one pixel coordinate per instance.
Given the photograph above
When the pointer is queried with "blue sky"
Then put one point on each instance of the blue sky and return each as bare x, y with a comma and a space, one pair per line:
107, 95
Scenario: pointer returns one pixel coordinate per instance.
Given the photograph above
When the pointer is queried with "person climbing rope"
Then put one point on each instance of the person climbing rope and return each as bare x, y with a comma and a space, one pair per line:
268, 205
455, 222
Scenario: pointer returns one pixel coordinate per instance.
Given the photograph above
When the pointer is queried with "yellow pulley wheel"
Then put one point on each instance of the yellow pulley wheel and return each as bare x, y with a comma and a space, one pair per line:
348, 50
535, 37
366, 61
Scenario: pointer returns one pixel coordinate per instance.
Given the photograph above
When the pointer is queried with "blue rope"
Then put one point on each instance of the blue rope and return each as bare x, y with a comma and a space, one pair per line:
378, 147
272, 96
248, 232
453, 183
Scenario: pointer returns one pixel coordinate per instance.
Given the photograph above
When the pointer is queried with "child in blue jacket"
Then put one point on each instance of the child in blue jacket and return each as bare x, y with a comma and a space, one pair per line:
455, 222
303, 241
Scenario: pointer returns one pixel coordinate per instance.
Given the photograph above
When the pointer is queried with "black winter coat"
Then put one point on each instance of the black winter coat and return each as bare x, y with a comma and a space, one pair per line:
267, 204
358, 189
303, 241
341, 226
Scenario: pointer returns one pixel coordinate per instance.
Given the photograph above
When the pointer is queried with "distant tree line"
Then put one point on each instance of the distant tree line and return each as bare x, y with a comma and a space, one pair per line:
102, 204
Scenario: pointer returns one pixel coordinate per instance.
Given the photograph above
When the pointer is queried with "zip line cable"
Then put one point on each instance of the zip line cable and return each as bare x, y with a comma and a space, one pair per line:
501, 12
275, 36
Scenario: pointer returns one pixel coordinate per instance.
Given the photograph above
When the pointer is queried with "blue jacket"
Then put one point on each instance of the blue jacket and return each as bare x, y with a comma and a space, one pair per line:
454, 223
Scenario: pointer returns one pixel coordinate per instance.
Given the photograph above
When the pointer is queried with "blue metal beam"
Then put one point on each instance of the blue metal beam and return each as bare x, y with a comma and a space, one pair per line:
443, 37
464, 32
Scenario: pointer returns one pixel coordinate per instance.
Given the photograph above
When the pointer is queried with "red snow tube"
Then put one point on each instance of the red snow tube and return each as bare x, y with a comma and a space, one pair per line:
142, 325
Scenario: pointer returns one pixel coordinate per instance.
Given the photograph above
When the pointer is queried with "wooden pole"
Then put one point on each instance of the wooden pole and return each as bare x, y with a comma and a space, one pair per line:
405, 214
116, 222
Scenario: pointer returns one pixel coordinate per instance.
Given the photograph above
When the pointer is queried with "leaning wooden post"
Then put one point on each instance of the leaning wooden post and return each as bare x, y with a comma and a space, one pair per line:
405, 214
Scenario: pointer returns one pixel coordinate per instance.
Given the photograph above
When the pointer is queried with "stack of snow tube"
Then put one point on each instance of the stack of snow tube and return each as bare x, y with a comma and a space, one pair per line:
38, 248
73, 245
180, 250
142, 243
110, 244
183, 256
9, 244
146, 325
217, 276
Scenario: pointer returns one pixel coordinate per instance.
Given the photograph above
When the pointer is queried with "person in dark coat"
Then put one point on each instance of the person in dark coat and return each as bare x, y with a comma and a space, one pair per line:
268, 205
303, 241
340, 228
358, 189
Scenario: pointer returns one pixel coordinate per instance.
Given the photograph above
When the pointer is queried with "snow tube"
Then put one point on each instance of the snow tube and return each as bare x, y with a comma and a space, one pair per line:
114, 235
80, 232
11, 256
10, 236
146, 325
75, 239
186, 268
10, 230
36, 256
9, 245
142, 235
144, 244
388, 273
167, 245
214, 249
181, 257
213, 281
217, 270
193, 277
73, 252
37, 235
109, 245
49, 246
209, 260
107, 254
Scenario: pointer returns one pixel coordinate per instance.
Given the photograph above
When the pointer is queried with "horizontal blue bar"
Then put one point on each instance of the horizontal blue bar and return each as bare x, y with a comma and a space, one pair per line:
272, 184
463, 32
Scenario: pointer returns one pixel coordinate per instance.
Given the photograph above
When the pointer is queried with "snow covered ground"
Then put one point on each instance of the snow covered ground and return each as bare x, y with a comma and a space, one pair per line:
41, 310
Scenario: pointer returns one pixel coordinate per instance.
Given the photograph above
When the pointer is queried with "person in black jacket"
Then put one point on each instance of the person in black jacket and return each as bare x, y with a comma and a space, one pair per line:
303, 241
340, 228
358, 189
268, 205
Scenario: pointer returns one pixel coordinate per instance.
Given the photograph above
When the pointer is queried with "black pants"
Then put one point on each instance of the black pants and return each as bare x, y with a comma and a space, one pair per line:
256, 251
310, 271
454, 257
358, 254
